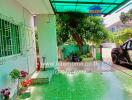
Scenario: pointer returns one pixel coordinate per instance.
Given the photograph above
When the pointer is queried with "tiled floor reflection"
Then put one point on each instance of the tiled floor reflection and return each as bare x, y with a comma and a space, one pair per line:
78, 86
97, 81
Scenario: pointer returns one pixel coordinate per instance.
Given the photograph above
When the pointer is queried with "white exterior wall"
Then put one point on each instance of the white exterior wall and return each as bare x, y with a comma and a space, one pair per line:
27, 60
46, 28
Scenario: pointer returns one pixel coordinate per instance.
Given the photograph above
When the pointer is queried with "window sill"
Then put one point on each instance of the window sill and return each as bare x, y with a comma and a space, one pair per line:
8, 57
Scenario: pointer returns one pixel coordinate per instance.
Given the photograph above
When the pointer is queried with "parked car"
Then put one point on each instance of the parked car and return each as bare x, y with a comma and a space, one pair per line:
123, 53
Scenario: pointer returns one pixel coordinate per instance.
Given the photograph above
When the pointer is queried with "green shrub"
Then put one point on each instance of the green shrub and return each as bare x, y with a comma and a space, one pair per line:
15, 73
83, 57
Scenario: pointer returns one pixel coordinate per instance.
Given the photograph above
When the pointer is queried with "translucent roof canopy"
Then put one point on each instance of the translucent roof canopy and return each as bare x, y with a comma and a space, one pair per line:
83, 6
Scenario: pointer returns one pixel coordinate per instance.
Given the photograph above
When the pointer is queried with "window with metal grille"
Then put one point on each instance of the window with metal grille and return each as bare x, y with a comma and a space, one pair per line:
9, 38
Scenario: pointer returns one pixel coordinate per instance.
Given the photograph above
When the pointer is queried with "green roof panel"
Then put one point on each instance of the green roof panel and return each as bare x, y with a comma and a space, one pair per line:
107, 6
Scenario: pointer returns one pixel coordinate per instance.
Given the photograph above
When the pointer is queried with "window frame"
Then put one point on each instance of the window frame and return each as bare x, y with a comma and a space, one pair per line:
7, 38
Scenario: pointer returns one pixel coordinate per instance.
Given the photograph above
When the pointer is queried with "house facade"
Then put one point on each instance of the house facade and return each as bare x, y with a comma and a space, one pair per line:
17, 37
118, 26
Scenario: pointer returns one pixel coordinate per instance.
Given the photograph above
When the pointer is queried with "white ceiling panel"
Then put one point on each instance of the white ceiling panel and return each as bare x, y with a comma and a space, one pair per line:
37, 6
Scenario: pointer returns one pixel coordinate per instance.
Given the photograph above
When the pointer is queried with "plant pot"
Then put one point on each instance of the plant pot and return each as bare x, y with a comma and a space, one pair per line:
6, 98
22, 90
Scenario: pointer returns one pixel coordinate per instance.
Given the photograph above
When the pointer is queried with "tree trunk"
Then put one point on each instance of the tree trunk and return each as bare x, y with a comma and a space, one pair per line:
79, 41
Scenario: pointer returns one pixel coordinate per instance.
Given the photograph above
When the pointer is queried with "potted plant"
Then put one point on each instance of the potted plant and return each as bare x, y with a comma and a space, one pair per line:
23, 74
5, 94
15, 74
25, 84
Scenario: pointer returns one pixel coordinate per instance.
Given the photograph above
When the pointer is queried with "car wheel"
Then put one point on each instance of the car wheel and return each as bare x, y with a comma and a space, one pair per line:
115, 59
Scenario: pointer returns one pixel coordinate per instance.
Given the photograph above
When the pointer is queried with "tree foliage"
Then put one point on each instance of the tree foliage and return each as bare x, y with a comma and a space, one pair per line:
121, 36
126, 17
81, 28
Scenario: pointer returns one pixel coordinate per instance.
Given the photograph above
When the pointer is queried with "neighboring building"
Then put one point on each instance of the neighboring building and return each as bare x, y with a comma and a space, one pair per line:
118, 26
17, 37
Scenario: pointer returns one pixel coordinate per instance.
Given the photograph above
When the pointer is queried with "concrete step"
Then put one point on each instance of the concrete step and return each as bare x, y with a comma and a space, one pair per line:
36, 81
42, 77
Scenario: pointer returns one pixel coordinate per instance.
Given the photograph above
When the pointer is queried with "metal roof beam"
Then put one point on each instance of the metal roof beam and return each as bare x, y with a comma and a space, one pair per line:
73, 12
117, 7
72, 2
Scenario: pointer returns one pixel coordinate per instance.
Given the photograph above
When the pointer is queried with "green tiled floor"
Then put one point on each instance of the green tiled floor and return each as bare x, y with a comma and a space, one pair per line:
80, 86
86, 85
126, 81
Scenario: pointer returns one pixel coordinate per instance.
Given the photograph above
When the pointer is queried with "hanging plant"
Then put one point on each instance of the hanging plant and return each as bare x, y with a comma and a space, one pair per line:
15, 73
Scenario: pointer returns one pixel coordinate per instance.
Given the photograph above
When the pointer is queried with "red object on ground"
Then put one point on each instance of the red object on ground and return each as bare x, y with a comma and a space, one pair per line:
38, 64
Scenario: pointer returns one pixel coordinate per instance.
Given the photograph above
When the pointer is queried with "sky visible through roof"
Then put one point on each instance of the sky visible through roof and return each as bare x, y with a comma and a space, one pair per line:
114, 17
